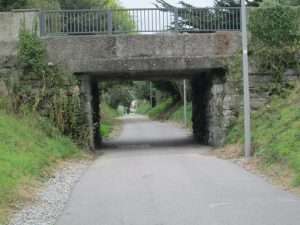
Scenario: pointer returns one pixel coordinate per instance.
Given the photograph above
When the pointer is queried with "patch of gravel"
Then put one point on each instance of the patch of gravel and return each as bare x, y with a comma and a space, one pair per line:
52, 197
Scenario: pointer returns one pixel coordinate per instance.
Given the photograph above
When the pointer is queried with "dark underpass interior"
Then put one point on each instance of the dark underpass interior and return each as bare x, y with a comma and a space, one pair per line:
207, 112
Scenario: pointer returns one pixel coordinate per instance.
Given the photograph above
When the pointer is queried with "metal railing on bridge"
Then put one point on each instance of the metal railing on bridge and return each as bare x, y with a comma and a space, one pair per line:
152, 20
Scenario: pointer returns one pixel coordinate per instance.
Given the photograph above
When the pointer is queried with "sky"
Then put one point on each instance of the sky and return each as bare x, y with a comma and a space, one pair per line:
149, 3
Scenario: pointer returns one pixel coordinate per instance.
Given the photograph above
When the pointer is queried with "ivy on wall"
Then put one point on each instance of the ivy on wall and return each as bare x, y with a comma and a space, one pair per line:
48, 90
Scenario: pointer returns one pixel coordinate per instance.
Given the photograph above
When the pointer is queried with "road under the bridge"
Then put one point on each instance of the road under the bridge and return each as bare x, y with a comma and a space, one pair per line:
153, 174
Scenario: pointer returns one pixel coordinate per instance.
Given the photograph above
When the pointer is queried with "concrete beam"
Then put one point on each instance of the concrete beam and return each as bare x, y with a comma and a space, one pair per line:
139, 55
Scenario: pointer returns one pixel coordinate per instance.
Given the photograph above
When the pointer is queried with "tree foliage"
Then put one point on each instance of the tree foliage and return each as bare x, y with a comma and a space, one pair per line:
56, 4
117, 93
235, 3
275, 41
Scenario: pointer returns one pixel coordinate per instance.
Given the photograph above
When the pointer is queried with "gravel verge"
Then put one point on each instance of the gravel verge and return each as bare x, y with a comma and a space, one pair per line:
49, 203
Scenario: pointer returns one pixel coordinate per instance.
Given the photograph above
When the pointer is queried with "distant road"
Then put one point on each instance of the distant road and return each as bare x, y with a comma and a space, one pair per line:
154, 175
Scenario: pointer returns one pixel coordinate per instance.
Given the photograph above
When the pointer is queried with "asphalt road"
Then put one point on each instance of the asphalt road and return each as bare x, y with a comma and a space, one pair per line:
154, 175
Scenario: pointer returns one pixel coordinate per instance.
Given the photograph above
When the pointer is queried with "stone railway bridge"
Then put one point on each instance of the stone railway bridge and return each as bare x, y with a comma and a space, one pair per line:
201, 56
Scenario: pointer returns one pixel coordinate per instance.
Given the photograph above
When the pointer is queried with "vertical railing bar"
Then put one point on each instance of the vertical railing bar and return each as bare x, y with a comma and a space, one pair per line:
234, 16
90, 24
52, 23
63, 22
235, 19
110, 22
227, 21
77, 21
93, 22
72, 23
102, 22
159, 19
176, 19
163, 20
152, 18
55, 22
42, 24
59, 22
238, 18
168, 22
202, 20
82, 22
136, 13
230, 19
210, 20
96, 22
155, 21
148, 21
66, 22
137, 22
221, 20
47, 24
215, 19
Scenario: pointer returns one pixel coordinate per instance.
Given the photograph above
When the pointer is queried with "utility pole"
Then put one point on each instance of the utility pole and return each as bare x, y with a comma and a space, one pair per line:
184, 103
247, 110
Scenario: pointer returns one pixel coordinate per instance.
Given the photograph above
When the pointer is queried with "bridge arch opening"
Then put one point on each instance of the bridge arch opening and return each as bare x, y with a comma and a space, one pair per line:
207, 95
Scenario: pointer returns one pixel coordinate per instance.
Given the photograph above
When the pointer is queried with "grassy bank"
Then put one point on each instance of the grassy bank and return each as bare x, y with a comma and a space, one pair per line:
167, 109
29, 147
276, 132
143, 107
108, 120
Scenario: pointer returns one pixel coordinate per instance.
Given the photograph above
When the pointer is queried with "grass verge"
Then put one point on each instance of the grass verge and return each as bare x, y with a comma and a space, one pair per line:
29, 147
168, 109
163, 109
143, 107
108, 120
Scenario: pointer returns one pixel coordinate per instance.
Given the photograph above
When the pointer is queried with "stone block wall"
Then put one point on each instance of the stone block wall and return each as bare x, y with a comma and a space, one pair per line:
10, 25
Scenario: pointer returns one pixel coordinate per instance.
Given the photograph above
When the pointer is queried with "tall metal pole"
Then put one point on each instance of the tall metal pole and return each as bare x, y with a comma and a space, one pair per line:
247, 123
184, 103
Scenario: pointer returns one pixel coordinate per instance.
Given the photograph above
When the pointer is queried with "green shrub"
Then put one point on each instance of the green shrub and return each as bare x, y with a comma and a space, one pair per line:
275, 26
275, 41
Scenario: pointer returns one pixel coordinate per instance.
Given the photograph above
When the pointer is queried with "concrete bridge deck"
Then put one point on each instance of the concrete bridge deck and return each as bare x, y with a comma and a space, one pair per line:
142, 56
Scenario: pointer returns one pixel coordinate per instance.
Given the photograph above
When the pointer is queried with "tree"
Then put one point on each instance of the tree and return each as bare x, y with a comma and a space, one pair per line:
236, 3
12, 4
271, 3
193, 19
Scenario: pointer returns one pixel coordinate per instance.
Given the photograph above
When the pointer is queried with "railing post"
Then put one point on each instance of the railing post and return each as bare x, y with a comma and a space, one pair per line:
42, 24
109, 22
176, 19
